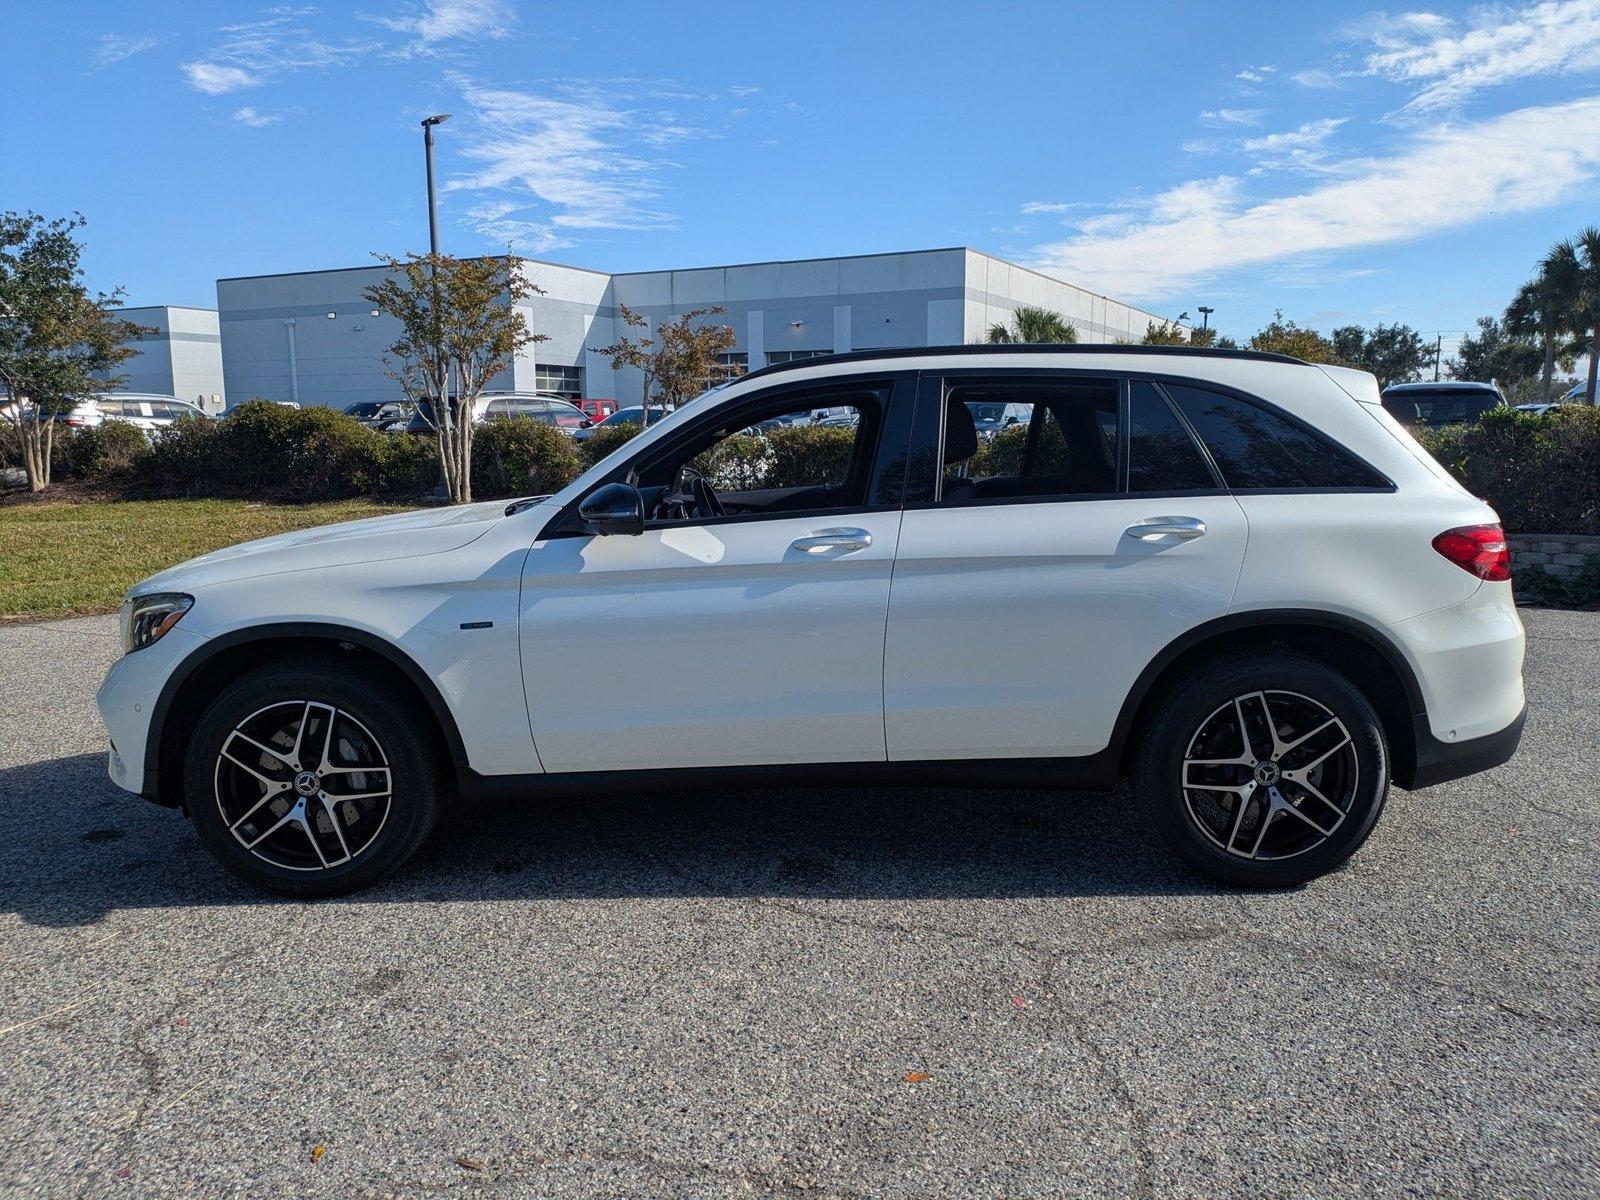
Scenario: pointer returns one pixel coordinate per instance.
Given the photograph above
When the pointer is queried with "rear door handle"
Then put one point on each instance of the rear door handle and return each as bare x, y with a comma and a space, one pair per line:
1182, 528
841, 538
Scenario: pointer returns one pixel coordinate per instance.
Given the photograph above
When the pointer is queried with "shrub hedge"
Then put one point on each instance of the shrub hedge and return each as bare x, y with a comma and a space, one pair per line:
522, 458
1541, 473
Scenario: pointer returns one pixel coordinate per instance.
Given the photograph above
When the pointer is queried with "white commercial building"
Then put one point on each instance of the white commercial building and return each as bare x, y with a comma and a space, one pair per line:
312, 338
182, 357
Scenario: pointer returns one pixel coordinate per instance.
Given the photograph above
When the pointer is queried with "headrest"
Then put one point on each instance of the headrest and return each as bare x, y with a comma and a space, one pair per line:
960, 434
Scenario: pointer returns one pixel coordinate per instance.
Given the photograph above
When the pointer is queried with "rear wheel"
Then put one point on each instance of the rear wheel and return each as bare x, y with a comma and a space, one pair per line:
1264, 771
312, 780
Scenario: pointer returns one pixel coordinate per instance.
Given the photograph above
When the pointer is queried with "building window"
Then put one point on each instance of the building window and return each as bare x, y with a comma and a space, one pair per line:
559, 381
783, 356
733, 364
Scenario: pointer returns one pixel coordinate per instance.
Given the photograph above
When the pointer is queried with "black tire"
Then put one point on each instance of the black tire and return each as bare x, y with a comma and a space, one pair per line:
373, 722
1199, 824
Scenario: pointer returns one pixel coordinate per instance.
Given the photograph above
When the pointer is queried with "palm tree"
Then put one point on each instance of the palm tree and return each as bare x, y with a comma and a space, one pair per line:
1587, 249
1034, 326
1542, 309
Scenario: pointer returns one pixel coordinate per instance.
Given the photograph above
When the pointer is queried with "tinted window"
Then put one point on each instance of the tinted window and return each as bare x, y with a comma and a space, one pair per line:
1255, 449
1439, 406
1010, 441
1162, 456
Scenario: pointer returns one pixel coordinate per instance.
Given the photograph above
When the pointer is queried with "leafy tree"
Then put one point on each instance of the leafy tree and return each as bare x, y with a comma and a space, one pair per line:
1581, 264
1496, 354
1541, 309
58, 343
1165, 334
458, 324
1285, 337
680, 361
1394, 353
1033, 326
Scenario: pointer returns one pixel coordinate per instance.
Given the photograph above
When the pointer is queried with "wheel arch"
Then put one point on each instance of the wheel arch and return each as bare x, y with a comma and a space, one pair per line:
219, 660
1363, 653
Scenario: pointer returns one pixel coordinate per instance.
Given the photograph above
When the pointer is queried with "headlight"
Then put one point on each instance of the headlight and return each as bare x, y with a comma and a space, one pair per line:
146, 619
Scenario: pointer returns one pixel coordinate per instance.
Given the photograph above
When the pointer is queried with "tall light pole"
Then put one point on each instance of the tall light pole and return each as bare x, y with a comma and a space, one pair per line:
427, 148
1205, 316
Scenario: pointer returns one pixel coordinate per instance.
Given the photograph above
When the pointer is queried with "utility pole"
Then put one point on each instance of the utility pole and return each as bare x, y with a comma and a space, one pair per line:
1438, 350
427, 149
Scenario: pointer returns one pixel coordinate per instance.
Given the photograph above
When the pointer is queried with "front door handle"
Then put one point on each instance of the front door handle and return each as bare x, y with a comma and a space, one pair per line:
1182, 528
834, 539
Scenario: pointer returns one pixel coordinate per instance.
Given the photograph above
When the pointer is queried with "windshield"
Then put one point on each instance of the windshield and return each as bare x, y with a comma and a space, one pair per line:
1442, 407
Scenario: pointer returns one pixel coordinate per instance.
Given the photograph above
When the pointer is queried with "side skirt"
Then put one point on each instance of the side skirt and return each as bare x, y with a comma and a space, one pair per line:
1093, 772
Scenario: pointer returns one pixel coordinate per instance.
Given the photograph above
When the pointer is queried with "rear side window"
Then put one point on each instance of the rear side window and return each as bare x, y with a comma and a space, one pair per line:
1259, 450
1162, 456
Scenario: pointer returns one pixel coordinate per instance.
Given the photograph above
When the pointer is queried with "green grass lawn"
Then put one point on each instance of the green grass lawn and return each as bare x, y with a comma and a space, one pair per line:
62, 558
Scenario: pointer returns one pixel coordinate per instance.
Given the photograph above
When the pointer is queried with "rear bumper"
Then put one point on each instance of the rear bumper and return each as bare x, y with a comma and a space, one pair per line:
1439, 761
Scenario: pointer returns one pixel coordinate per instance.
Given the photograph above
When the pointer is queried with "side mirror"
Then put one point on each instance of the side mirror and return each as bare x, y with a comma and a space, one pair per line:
614, 508
587, 424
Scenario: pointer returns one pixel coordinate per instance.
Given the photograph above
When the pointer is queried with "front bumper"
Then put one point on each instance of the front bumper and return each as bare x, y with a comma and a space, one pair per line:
127, 701
1439, 761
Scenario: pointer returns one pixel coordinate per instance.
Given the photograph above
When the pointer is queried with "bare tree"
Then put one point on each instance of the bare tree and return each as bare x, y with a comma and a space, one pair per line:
459, 325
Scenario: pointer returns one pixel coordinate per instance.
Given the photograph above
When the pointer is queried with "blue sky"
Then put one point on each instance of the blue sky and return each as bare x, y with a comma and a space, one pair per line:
1340, 164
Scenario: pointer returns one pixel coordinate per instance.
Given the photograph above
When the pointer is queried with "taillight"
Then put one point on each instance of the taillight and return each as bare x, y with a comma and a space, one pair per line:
75, 422
1480, 549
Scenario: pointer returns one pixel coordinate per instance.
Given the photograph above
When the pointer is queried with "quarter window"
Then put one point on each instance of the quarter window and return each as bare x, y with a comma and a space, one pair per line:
1258, 450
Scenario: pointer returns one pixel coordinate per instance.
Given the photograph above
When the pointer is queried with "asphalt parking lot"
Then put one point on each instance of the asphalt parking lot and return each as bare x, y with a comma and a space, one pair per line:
829, 993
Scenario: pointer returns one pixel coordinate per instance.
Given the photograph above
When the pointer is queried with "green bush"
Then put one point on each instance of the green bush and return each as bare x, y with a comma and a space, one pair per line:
269, 451
809, 454
1541, 473
604, 440
109, 452
521, 457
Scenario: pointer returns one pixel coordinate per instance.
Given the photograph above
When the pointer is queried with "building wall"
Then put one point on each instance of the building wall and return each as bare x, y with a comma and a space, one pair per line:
183, 358
920, 298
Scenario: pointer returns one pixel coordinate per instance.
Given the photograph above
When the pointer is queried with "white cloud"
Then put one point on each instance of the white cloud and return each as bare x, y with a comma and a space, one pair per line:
446, 20
1444, 178
1034, 207
1251, 76
252, 52
546, 166
214, 79
1300, 149
114, 47
254, 117
1233, 116
1316, 77
1449, 61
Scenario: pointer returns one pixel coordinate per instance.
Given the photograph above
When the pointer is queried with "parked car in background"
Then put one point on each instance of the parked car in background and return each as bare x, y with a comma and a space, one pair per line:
500, 406
148, 412
380, 414
1448, 402
1539, 410
1578, 393
1230, 575
624, 416
597, 410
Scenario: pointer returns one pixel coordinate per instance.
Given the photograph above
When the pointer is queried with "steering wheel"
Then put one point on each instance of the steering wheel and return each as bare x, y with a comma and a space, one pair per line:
705, 500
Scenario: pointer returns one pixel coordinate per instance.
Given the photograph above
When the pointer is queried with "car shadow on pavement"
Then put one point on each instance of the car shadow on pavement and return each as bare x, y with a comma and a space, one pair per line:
87, 849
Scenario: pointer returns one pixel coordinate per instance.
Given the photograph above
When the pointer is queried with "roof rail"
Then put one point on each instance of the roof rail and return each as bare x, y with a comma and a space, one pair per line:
981, 349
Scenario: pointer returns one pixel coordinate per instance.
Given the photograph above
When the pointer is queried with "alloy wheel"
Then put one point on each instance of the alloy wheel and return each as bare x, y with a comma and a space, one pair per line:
1269, 775
303, 785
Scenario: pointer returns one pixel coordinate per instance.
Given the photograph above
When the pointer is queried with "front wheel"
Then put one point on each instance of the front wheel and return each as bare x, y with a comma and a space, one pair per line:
1266, 770
312, 779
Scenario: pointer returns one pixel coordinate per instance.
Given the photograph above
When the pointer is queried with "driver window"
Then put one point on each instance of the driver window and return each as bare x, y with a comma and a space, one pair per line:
808, 455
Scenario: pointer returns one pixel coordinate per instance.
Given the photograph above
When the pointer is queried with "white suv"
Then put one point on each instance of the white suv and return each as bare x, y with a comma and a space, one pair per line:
1231, 575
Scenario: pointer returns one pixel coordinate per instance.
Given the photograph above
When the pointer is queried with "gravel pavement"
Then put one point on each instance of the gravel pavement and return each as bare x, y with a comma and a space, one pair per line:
801, 993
